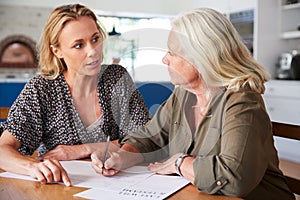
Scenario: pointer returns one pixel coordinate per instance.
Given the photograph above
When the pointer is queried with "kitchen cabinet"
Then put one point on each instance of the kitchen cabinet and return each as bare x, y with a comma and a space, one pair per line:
282, 100
275, 31
290, 15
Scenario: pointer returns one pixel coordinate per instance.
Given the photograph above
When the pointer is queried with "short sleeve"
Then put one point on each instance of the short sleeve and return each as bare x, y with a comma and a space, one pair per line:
25, 117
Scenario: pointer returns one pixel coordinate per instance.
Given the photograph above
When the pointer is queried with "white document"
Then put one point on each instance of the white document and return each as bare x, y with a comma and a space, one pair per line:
82, 174
154, 187
17, 176
136, 183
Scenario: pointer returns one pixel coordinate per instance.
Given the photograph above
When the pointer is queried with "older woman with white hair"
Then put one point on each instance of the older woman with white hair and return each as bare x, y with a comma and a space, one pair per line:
214, 129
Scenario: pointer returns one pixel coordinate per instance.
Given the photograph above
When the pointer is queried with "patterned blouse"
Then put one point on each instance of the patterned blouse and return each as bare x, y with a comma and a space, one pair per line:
44, 114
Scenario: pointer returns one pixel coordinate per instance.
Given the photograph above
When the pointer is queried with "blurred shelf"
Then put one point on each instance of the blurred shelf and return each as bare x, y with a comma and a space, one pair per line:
291, 6
290, 35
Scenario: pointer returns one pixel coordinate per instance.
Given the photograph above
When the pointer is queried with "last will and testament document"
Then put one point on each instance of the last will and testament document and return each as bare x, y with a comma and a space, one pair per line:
133, 183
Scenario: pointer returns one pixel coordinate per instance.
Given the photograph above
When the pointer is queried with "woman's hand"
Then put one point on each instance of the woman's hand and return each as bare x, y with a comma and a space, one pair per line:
166, 167
116, 160
12, 160
98, 165
74, 152
66, 152
49, 171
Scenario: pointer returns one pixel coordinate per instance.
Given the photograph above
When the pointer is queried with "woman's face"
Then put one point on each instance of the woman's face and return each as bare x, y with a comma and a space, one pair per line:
80, 46
181, 72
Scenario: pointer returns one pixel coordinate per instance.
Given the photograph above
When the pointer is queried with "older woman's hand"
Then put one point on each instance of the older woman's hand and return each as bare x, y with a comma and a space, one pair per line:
97, 163
116, 161
166, 167
110, 167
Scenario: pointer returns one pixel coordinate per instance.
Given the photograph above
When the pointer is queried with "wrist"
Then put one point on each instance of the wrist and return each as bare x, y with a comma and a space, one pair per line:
179, 162
87, 150
130, 148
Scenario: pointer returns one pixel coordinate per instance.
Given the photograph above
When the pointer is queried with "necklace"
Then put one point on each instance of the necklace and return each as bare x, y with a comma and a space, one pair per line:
200, 109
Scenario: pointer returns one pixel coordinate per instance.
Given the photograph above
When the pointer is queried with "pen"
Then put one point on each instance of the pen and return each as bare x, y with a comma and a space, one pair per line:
105, 152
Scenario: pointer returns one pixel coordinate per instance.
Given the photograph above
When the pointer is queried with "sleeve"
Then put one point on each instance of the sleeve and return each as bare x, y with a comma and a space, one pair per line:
152, 139
132, 111
2, 127
243, 157
24, 121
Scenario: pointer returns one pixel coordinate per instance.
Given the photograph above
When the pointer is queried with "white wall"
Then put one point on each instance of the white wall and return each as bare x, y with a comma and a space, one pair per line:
28, 17
167, 7
266, 35
22, 20
226, 6
139, 6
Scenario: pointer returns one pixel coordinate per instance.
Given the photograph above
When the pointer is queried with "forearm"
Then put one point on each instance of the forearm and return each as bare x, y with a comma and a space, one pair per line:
186, 169
12, 161
125, 157
82, 151
75, 152
130, 148
100, 146
131, 156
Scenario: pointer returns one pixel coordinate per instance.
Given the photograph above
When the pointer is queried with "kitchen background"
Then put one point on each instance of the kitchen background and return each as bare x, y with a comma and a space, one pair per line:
269, 28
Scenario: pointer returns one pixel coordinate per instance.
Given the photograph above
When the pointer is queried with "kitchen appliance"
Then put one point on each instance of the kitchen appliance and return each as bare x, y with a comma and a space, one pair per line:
288, 66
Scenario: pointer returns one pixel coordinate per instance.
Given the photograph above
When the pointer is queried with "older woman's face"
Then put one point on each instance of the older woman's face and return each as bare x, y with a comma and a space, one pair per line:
80, 46
181, 72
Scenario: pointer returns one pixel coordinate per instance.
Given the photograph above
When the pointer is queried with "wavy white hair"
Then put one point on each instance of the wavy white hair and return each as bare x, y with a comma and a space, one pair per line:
209, 41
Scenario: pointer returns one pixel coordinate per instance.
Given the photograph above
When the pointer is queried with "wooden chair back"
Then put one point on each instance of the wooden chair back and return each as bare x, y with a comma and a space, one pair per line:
4, 113
291, 132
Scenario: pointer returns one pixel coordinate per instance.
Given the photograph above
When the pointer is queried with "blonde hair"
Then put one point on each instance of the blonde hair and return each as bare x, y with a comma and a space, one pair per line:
50, 65
209, 41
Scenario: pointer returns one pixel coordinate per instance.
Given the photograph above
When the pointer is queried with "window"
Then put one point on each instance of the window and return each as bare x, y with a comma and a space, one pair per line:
138, 44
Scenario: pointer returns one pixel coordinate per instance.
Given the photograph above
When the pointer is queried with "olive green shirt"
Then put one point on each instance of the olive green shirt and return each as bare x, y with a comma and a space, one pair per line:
233, 144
